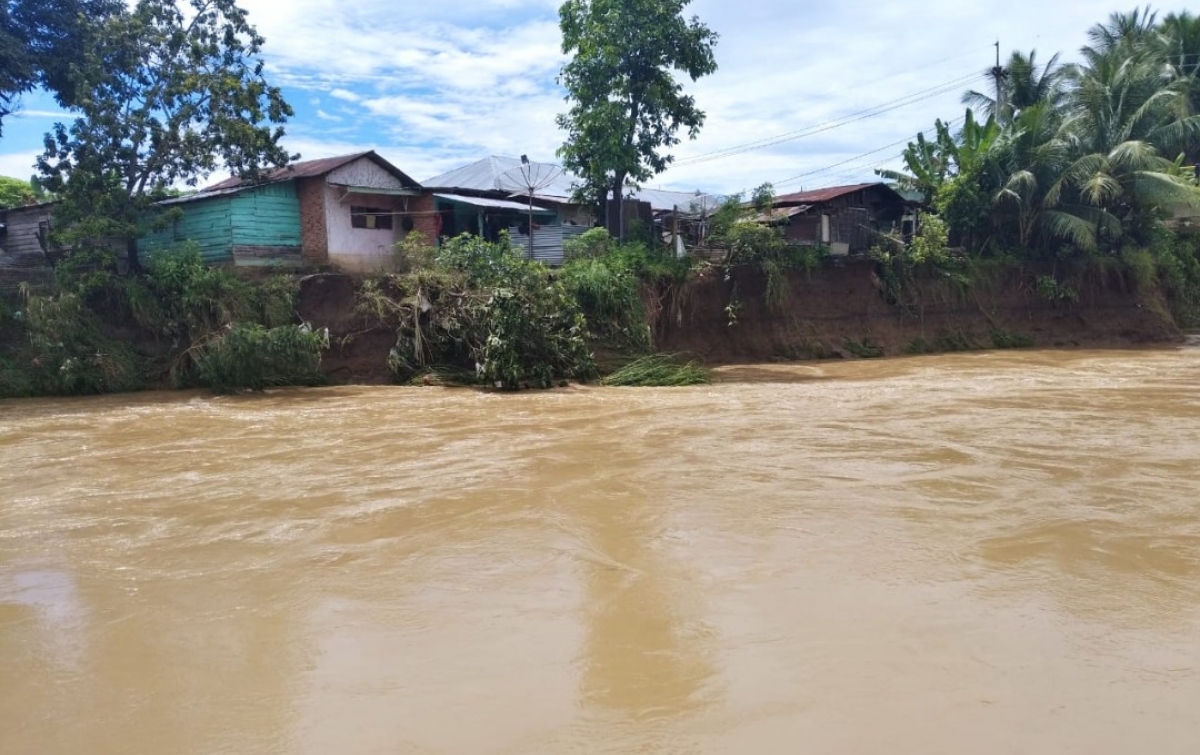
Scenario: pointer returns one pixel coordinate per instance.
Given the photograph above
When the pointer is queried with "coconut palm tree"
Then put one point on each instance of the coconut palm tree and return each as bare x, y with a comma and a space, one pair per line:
1123, 35
1023, 83
1127, 134
1180, 45
1031, 156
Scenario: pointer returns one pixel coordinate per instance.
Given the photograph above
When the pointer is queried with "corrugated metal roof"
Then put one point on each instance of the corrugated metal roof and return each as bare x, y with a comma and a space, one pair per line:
828, 194
510, 175
493, 204
313, 169
661, 199
781, 213
553, 184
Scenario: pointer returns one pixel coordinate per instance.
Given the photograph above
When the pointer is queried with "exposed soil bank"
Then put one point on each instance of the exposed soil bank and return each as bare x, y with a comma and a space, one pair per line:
840, 311
836, 311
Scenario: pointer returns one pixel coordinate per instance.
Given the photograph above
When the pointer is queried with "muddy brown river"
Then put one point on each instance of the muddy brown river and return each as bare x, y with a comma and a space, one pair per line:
986, 553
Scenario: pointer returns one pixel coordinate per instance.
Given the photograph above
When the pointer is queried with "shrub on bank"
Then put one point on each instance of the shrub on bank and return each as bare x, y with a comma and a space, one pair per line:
96, 331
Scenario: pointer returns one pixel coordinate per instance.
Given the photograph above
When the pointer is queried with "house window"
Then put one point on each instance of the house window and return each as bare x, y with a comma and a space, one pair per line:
371, 218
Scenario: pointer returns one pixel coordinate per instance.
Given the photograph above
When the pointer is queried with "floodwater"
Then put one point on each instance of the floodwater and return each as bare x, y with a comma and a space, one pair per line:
987, 553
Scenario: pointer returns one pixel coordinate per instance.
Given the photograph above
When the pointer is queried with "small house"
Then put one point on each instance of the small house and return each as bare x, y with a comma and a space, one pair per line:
530, 200
840, 217
347, 212
25, 251
520, 196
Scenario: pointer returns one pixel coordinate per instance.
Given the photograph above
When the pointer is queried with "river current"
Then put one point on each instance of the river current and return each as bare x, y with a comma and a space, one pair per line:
981, 553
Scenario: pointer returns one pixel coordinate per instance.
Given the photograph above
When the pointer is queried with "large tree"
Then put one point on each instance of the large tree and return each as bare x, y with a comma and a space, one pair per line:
167, 96
627, 106
40, 41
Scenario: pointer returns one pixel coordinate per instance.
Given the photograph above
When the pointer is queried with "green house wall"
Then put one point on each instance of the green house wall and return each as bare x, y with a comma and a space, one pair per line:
265, 216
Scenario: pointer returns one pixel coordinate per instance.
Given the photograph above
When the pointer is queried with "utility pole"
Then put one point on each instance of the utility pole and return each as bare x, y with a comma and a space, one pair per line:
998, 74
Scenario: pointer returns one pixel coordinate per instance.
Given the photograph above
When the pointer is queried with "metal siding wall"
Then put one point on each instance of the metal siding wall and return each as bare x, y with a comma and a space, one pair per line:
547, 241
267, 216
206, 222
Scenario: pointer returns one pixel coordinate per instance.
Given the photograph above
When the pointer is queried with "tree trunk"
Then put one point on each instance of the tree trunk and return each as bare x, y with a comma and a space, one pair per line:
131, 256
615, 212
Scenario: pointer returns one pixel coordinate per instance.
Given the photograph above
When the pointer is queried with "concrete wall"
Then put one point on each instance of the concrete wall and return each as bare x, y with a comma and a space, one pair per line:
360, 250
364, 172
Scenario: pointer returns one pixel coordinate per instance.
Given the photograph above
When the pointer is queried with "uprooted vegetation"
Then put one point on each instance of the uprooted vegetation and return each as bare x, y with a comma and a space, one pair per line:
471, 311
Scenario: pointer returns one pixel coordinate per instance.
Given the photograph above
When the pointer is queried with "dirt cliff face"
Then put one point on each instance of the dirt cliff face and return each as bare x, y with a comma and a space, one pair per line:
843, 310
358, 345
840, 310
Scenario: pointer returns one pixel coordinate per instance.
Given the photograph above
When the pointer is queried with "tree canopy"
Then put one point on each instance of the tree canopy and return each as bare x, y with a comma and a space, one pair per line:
40, 42
166, 96
627, 106
1080, 159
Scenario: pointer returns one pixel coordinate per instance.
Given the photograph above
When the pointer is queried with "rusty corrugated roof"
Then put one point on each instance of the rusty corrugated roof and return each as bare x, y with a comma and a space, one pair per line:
313, 169
827, 194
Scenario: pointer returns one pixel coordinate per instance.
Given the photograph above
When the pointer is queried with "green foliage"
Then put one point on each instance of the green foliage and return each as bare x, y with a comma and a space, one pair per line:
250, 356
864, 349
180, 321
480, 306
928, 247
532, 337
41, 42
15, 193
1004, 339
899, 265
1170, 263
1052, 290
626, 106
70, 353
751, 239
172, 95
610, 296
594, 242
658, 370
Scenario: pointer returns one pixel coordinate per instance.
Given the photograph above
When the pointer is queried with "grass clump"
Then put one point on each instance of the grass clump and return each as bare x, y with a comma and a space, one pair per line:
250, 356
864, 349
658, 370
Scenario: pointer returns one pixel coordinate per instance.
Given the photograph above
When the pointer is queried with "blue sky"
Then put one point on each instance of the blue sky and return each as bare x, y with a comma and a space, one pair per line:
432, 86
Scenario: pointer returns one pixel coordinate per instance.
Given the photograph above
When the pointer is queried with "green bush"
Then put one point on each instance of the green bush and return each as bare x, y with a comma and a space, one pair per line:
481, 306
70, 353
250, 356
610, 297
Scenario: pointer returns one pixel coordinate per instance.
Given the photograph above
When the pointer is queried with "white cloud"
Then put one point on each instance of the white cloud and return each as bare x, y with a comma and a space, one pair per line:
18, 164
436, 85
55, 114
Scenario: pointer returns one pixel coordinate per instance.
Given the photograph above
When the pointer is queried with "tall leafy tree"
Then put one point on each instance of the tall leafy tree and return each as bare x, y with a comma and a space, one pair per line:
167, 95
40, 41
627, 106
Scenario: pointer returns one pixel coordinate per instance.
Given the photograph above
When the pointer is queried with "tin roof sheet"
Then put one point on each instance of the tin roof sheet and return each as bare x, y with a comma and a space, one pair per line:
313, 169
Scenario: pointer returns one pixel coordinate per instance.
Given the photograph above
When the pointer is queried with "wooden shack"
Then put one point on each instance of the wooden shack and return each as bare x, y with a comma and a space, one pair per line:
841, 217
23, 232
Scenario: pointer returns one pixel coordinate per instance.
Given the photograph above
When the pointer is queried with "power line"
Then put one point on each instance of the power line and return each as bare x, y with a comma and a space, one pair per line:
857, 158
846, 120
